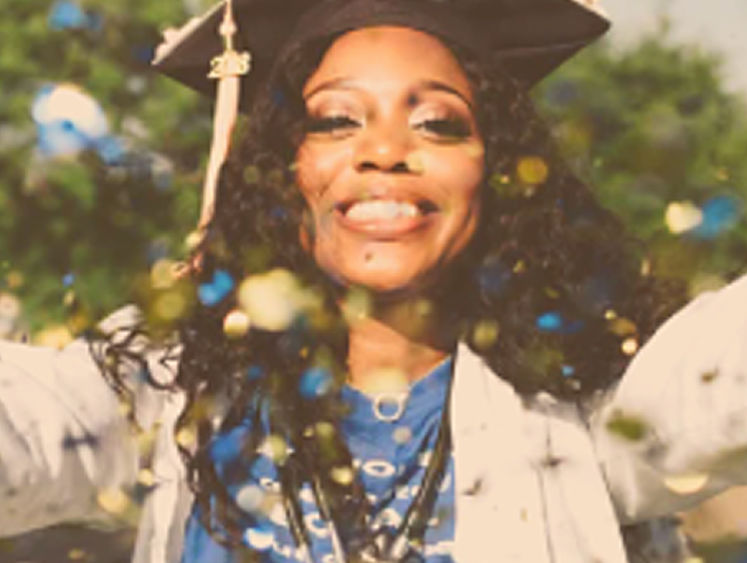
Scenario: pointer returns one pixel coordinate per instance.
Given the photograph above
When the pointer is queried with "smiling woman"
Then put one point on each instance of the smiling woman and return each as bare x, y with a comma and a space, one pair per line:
429, 356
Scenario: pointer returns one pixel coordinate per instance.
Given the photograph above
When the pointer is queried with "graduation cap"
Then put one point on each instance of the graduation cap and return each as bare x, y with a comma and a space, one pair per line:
239, 42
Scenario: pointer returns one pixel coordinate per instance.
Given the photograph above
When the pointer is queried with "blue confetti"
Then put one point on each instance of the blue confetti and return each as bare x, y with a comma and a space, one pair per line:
568, 371
255, 372
60, 138
227, 447
493, 277
214, 292
110, 150
720, 214
67, 15
315, 382
550, 322
68, 279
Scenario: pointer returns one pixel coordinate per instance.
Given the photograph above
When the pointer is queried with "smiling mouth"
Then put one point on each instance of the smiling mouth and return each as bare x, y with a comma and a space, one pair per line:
385, 217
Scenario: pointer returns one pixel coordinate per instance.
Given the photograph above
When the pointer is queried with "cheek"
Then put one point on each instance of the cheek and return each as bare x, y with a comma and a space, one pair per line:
317, 168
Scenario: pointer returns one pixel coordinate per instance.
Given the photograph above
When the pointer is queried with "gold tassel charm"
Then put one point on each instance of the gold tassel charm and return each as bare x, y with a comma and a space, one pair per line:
230, 62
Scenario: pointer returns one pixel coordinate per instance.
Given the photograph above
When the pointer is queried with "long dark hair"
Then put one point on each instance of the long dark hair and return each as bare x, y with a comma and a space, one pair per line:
551, 293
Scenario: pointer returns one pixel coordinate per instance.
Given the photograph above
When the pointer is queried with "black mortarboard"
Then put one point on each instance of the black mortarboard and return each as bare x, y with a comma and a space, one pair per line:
531, 37
242, 40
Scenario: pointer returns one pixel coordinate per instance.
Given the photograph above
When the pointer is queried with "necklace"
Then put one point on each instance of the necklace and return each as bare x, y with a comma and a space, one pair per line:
401, 546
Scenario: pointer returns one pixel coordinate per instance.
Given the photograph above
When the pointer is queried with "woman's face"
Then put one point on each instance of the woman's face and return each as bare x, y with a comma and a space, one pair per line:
392, 161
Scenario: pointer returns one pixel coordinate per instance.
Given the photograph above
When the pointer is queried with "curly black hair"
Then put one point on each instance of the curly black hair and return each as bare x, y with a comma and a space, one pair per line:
550, 292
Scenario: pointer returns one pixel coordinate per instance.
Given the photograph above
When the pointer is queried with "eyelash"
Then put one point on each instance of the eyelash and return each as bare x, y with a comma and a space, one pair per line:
448, 127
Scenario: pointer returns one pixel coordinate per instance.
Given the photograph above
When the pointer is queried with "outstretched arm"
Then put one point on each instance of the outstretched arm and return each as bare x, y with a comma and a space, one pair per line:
675, 430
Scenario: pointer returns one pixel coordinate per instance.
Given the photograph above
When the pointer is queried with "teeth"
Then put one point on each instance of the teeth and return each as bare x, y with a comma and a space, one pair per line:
379, 209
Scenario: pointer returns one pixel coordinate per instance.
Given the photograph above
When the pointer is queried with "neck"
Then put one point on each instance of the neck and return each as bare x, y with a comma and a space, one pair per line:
396, 345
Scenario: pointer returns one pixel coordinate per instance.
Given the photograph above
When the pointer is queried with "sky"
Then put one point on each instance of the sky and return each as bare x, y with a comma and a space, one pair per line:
715, 25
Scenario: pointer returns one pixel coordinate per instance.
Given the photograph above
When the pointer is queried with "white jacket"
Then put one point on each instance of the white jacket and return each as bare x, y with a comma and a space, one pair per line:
536, 480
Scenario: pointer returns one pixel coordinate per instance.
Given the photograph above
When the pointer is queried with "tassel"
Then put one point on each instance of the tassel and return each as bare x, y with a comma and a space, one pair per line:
227, 68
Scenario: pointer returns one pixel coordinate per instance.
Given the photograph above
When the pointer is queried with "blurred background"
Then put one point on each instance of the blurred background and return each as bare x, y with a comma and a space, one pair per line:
101, 164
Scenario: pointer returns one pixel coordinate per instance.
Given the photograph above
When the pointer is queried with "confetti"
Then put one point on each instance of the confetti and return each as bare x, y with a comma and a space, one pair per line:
113, 501
630, 427
217, 289
236, 324
485, 334
250, 498
275, 448
629, 346
402, 434
55, 336
682, 216
163, 274
686, 484
315, 382
550, 322
415, 162
170, 306
342, 475
146, 478
719, 214
273, 299
532, 170
357, 305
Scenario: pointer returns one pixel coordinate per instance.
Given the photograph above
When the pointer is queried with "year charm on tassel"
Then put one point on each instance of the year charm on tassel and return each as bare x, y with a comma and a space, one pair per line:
230, 62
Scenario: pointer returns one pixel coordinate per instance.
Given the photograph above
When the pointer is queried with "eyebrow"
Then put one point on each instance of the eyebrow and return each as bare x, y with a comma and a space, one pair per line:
350, 84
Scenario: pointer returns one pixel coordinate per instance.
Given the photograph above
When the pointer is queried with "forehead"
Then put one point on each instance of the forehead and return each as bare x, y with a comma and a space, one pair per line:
389, 54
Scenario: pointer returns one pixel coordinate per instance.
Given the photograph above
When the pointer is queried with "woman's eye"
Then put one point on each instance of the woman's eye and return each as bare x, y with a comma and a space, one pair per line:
330, 124
450, 128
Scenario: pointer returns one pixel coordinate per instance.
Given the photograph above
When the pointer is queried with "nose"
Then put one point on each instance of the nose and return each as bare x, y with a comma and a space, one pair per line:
384, 147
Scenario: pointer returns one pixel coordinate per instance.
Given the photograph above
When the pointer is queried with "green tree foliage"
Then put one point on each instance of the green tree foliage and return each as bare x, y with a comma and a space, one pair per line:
646, 128
75, 230
652, 126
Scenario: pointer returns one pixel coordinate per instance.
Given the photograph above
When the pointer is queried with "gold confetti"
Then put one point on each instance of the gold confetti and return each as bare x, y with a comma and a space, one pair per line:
622, 327
170, 306
610, 315
532, 170
682, 216
415, 162
630, 427
629, 346
485, 334
275, 448
193, 240
236, 324
146, 478
76, 554
686, 484
343, 475
55, 336
357, 305
186, 437
14, 279
645, 267
402, 434
163, 274
114, 501
272, 300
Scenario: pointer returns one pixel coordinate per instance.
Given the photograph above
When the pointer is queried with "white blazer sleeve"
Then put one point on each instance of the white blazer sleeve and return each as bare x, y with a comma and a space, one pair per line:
63, 435
675, 430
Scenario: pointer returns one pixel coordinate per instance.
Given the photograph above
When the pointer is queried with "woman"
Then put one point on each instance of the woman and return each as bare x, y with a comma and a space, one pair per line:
432, 382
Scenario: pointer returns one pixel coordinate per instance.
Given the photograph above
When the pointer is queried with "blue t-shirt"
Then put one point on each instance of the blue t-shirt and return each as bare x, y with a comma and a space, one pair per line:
390, 458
